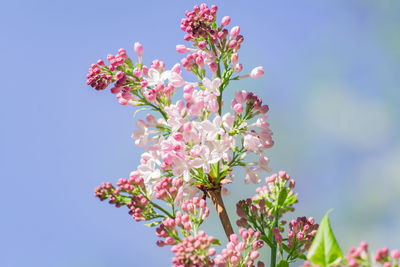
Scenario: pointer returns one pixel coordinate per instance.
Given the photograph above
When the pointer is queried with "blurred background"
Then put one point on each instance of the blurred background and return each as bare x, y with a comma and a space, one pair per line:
332, 81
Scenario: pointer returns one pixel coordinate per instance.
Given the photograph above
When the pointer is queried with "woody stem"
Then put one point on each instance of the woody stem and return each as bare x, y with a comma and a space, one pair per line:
215, 196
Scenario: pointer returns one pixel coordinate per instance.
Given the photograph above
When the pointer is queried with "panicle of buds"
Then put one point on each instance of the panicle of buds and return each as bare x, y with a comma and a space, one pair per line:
195, 211
131, 193
198, 23
165, 190
388, 258
196, 208
301, 234
194, 251
359, 257
98, 79
241, 253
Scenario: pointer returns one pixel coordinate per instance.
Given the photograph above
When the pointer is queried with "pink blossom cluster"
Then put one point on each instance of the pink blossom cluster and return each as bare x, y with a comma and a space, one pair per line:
195, 211
98, 79
359, 257
196, 208
135, 84
131, 193
167, 189
300, 236
382, 256
243, 253
194, 251
198, 24
275, 184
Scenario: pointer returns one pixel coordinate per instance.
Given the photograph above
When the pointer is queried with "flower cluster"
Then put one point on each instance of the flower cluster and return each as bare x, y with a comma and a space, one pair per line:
193, 147
243, 253
194, 251
259, 211
382, 257
264, 213
359, 257
195, 211
300, 236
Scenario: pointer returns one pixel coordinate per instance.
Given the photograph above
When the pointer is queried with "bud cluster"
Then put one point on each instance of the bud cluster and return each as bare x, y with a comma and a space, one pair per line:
252, 102
194, 251
97, 79
243, 253
259, 212
359, 257
195, 211
382, 256
300, 236
130, 193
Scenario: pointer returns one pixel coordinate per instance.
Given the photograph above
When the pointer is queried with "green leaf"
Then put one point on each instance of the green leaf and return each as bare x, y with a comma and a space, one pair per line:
283, 263
291, 200
282, 196
152, 224
216, 242
325, 250
286, 248
302, 256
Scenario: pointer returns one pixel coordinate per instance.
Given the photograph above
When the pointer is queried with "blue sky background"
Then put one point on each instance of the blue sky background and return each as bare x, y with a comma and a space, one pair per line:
332, 81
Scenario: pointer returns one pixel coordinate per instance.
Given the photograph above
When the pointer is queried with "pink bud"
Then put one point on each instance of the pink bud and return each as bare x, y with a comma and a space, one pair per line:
395, 254
181, 49
177, 68
145, 70
160, 243
187, 97
238, 108
169, 89
115, 90
234, 238
211, 252
300, 236
213, 67
234, 260
100, 62
235, 31
257, 72
232, 44
225, 21
138, 48
254, 255
188, 88
234, 58
363, 245
202, 44
238, 67
119, 75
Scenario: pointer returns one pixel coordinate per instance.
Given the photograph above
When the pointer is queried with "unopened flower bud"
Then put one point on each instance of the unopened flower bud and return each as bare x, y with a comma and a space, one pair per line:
238, 67
138, 48
257, 72
235, 31
213, 67
225, 21
234, 58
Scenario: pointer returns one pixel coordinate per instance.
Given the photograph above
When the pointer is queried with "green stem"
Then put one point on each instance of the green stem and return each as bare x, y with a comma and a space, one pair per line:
162, 209
274, 246
157, 206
